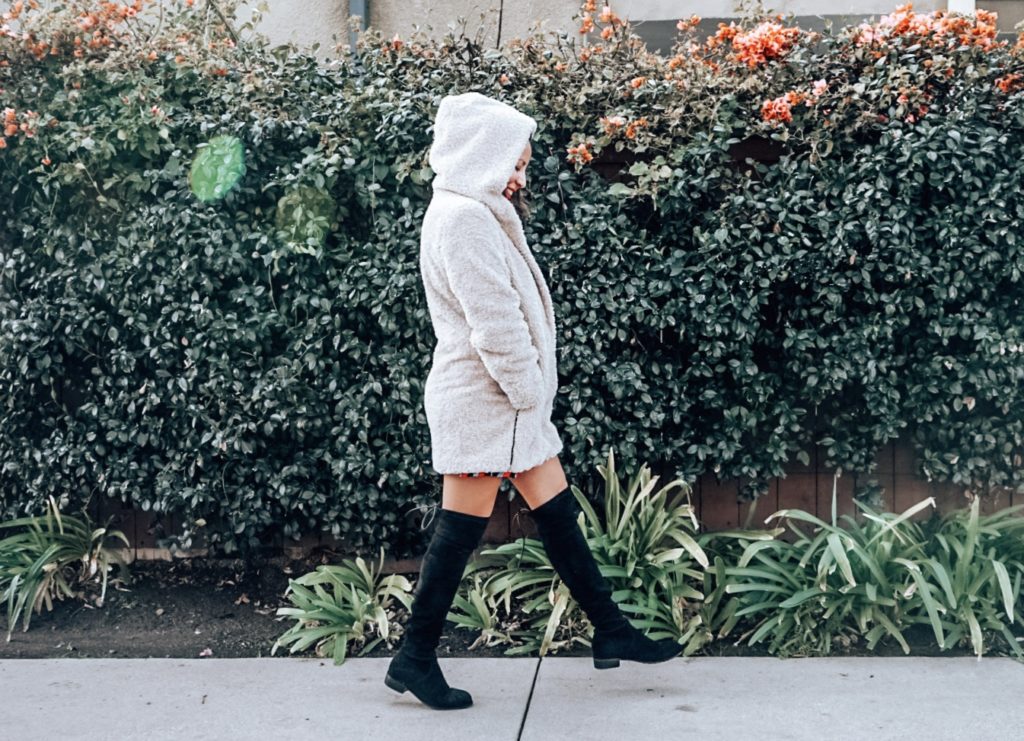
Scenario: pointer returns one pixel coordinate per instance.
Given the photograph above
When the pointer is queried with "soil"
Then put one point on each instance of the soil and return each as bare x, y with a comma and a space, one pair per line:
221, 608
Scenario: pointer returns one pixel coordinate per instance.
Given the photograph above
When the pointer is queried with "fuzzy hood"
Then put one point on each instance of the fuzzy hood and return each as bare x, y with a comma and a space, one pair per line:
477, 141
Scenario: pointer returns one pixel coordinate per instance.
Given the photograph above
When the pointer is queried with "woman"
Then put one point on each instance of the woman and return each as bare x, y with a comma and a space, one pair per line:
490, 390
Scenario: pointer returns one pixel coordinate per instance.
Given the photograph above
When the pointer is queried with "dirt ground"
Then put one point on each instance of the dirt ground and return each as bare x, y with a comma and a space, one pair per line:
183, 609
219, 608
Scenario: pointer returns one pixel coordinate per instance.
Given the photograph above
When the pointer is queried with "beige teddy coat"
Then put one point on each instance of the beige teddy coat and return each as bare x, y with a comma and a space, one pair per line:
493, 379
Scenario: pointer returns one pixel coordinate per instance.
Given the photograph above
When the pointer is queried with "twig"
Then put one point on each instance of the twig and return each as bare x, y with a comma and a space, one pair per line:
216, 9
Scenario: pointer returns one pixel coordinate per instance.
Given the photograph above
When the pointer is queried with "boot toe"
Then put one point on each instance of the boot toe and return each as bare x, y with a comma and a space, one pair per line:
458, 698
632, 645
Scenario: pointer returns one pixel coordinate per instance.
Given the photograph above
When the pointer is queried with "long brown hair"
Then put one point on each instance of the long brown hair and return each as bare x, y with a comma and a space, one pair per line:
521, 203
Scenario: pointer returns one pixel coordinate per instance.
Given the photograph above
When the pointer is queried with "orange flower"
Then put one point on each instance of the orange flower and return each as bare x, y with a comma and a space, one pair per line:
637, 82
504, 80
724, 34
632, 127
3, 143
1009, 83
607, 32
46, 160
768, 40
937, 29
781, 108
590, 6
580, 153
588, 24
683, 25
612, 123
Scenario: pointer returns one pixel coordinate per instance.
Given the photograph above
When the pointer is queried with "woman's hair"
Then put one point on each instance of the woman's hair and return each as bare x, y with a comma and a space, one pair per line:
521, 204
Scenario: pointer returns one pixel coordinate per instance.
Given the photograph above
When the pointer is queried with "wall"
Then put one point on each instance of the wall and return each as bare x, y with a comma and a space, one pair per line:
306, 21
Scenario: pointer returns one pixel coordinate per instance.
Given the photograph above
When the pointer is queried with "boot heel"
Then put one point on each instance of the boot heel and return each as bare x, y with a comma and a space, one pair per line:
605, 663
394, 683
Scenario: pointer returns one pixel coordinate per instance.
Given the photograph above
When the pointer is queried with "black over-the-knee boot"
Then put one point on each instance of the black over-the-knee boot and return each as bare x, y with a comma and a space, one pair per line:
415, 666
614, 637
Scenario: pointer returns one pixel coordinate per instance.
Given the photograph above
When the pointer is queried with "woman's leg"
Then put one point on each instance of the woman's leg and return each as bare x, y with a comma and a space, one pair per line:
466, 505
541, 483
471, 496
555, 511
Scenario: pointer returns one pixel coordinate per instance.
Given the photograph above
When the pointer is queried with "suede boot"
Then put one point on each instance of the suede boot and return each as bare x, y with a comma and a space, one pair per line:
415, 666
614, 637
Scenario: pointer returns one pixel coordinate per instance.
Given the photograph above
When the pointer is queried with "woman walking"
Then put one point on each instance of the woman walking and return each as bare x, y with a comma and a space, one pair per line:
490, 390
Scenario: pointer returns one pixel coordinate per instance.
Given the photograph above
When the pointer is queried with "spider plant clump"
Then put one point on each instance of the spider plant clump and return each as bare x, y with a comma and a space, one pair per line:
970, 582
644, 541
336, 604
52, 557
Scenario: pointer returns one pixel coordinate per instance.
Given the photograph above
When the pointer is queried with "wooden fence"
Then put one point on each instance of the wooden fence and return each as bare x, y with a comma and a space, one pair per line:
803, 487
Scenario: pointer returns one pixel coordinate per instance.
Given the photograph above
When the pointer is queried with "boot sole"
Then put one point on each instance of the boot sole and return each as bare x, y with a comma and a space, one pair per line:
612, 663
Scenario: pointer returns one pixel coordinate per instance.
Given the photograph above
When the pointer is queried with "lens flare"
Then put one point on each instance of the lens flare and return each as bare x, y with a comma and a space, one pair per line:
217, 167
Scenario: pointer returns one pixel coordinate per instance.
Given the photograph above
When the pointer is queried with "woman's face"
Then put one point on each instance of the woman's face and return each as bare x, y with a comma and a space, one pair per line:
518, 179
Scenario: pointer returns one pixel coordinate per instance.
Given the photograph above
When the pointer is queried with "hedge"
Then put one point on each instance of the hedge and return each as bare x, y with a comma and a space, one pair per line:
253, 359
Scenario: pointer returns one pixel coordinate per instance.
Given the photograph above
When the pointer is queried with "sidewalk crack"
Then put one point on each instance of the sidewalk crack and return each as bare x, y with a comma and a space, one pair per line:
529, 698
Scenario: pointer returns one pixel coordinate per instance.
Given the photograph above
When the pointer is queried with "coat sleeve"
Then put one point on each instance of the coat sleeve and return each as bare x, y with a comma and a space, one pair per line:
481, 280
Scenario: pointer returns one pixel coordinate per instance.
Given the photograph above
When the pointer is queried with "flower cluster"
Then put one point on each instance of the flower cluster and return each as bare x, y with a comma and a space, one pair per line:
614, 124
781, 108
1010, 83
580, 153
588, 24
686, 25
766, 41
15, 12
937, 28
606, 16
11, 127
95, 28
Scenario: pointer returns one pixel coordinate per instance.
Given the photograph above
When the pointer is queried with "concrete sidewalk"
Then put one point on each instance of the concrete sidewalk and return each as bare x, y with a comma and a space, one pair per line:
528, 699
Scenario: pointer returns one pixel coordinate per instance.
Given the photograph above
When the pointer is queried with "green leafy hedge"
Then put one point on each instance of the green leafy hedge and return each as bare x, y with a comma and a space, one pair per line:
255, 361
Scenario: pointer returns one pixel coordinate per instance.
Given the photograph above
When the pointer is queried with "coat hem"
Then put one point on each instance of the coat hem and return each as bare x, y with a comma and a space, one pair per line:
532, 464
